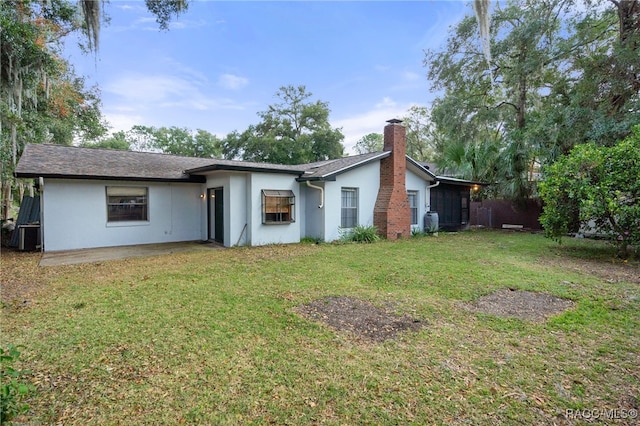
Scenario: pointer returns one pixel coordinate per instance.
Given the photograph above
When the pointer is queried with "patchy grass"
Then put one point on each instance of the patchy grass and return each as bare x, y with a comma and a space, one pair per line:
213, 337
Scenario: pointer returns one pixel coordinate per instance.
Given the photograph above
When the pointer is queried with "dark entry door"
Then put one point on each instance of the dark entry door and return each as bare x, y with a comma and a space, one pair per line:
215, 208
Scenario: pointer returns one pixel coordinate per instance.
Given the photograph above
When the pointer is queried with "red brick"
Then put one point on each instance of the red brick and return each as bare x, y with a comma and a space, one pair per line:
391, 214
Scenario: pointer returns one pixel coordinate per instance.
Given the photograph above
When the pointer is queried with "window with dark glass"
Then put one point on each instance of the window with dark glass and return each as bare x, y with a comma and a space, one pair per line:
127, 203
413, 206
349, 211
278, 206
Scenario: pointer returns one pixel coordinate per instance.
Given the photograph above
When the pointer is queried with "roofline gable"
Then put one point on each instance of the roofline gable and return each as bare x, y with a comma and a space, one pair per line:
421, 168
331, 176
244, 167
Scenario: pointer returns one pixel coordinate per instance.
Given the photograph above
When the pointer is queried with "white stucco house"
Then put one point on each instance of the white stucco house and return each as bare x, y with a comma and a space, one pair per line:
101, 198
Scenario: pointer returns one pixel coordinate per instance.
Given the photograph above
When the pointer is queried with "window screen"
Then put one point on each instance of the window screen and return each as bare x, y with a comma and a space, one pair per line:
349, 211
127, 203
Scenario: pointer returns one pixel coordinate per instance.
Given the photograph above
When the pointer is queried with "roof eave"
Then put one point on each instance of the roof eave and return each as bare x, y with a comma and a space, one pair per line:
316, 179
462, 182
421, 167
190, 179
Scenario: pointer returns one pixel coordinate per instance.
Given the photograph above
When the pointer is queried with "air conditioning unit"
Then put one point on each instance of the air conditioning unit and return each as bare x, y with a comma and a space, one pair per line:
28, 237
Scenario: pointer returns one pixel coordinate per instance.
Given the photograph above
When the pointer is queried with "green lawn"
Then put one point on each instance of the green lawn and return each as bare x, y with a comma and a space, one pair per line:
211, 337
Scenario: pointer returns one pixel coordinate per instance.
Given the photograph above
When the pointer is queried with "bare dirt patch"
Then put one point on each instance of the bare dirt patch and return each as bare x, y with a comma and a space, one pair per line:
613, 271
525, 305
359, 317
20, 277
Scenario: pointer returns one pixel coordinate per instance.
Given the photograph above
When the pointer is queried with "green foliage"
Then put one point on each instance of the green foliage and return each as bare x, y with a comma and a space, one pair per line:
422, 137
294, 131
417, 233
41, 98
11, 389
372, 142
559, 75
117, 140
225, 325
174, 140
165, 10
360, 234
311, 240
600, 186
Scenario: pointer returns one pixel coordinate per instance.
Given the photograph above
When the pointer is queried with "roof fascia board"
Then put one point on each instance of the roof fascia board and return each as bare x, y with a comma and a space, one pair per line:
421, 168
461, 182
317, 179
190, 179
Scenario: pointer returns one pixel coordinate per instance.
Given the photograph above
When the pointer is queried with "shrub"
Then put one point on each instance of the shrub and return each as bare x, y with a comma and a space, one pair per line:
310, 240
600, 185
360, 234
417, 232
11, 390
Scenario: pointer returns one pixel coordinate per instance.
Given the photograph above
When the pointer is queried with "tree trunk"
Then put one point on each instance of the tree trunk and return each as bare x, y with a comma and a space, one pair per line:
20, 186
6, 197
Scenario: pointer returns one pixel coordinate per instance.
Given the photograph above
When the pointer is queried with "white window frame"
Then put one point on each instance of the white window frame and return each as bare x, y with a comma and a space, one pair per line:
349, 213
121, 200
278, 206
413, 206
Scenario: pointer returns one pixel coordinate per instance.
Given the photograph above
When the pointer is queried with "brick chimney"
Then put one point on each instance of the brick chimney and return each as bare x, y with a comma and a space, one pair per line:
391, 214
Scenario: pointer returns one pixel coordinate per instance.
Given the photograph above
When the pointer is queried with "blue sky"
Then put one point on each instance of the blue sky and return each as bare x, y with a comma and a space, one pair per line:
222, 62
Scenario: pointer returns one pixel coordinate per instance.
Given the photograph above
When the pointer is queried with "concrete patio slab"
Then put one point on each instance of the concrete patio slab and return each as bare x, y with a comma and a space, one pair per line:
73, 257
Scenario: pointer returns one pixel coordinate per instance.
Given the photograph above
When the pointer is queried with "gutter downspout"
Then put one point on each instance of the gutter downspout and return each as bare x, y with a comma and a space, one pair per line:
321, 189
428, 187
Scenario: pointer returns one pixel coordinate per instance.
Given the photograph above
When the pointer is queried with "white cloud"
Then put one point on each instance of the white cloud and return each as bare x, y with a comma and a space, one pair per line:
411, 76
387, 102
232, 82
140, 99
122, 122
372, 121
149, 89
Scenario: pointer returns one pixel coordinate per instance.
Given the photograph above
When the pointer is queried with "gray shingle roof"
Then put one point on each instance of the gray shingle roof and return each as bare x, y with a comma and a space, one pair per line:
326, 169
49, 160
57, 161
216, 164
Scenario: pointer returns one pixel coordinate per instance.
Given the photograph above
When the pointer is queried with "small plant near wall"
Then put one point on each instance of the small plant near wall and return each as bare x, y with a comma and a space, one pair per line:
417, 233
310, 240
11, 389
359, 234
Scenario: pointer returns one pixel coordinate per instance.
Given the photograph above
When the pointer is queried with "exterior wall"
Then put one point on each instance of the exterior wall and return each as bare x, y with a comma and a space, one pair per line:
75, 215
236, 216
418, 184
218, 181
75, 212
367, 179
314, 217
272, 234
